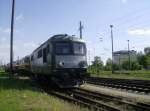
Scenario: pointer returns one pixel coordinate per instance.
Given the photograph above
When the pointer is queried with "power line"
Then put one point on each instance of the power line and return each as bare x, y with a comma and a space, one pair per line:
133, 13
128, 18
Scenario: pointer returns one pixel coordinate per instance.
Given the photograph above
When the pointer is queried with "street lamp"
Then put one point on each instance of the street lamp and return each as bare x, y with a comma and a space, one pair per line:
129, 53
11, 37
111, 26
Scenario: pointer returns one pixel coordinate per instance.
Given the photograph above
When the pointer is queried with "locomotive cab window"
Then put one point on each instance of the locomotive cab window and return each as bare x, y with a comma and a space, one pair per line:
63, 48
79, 48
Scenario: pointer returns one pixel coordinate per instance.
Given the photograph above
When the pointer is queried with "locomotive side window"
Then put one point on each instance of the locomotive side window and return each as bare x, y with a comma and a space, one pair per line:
26, 60
44, 55
40, 53
47, 49
79, 48
32, 58
63, 48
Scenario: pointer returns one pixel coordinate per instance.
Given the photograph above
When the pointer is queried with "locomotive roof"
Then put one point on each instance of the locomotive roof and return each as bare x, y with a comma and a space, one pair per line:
61, 37
65, 37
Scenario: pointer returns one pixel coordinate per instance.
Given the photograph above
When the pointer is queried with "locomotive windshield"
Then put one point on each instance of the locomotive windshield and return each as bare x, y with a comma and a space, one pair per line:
63, 48
72, 48
79, 48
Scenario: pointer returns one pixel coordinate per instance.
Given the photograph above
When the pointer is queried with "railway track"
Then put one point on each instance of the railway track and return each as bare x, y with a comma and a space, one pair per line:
81, 100
96, 101
134, 85
117, 102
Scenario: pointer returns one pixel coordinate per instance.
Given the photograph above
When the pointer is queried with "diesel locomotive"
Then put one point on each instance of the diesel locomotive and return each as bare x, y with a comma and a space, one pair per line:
62, 59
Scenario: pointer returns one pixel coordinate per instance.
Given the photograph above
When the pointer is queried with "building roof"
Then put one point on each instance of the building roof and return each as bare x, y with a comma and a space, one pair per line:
125, 52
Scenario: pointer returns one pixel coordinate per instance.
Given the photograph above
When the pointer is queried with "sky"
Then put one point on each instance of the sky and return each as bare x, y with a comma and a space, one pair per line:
38, 20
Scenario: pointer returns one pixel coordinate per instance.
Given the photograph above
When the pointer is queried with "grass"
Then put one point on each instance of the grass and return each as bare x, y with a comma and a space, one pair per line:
19, 94
140, 75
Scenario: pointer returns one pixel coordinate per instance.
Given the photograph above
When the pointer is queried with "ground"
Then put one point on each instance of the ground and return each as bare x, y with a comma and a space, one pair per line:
141, 75
21, 94
127, 95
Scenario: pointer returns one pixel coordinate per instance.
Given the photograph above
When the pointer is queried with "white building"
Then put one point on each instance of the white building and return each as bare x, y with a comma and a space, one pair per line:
123, 55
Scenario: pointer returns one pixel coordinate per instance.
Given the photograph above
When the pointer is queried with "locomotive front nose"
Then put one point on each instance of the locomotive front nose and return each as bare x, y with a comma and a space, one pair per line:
70, 55
61, 64
82, 64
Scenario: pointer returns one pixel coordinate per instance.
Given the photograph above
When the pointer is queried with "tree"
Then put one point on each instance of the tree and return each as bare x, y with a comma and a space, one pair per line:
147, 57
108, 65
147, 51
148, 62
116, 66
135, 66
97, 64
125, 65
141, 58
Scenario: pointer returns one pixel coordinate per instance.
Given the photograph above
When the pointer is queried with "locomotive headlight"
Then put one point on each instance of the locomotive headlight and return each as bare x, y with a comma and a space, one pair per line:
82, 64
61, 64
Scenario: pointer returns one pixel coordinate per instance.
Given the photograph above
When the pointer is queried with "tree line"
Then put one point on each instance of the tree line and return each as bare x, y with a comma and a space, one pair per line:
141, 63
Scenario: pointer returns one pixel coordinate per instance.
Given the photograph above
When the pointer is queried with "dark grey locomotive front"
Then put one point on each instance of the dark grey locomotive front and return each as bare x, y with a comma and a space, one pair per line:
69, 58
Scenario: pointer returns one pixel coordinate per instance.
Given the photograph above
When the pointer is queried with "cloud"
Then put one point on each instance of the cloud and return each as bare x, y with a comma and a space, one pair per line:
124, 1
21, 48
19, 17
139, 32
3, 39
6, 30
30, 45
106, 49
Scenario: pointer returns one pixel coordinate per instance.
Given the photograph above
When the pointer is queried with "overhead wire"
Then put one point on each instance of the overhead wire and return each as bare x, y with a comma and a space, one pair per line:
126, 19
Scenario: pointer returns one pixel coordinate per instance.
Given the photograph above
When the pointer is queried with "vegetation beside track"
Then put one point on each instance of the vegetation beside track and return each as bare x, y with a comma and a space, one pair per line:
21, 94
141, 75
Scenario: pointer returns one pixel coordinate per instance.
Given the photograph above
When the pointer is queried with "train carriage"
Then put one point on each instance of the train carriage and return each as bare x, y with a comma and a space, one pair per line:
24, 65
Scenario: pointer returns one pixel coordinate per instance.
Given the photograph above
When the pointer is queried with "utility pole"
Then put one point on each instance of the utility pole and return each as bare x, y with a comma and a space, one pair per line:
11, 37
129, 53
119, 63
89, 60
111, 26
80, 28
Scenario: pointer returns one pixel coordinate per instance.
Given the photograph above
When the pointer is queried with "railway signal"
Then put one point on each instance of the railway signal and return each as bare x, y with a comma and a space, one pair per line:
11, 37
